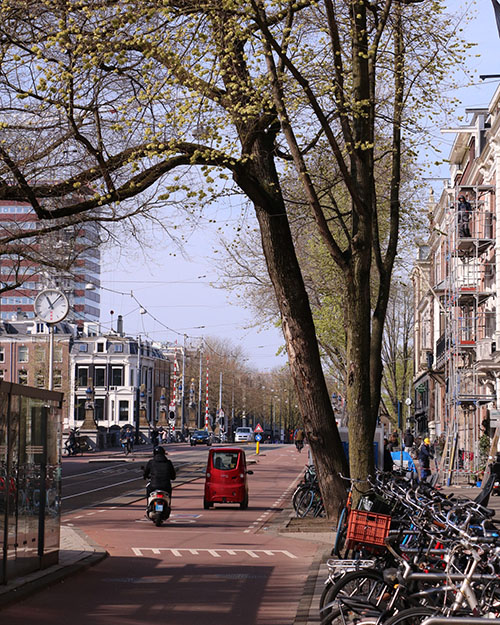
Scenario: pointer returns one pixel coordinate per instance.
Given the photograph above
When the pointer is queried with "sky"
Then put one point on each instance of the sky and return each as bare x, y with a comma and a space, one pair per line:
177, 291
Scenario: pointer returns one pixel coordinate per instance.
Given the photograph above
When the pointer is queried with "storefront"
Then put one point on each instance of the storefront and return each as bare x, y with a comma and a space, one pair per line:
30, 479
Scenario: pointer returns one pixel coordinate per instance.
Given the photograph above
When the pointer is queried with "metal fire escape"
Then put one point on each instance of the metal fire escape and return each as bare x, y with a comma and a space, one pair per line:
470, 284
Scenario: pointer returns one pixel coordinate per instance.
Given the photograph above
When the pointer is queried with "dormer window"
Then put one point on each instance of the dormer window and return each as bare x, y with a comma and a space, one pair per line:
100, 347
118, 348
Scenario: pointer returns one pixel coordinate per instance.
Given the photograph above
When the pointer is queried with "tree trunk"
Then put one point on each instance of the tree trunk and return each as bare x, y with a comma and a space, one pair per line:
260, 182
361, 422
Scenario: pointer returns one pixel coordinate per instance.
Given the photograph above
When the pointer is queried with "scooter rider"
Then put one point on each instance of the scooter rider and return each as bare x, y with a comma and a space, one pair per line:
160, 472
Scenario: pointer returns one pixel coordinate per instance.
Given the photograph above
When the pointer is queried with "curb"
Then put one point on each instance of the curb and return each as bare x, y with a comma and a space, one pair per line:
303, 615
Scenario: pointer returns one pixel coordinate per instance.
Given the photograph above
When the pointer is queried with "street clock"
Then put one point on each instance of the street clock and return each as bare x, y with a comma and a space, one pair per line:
51, 305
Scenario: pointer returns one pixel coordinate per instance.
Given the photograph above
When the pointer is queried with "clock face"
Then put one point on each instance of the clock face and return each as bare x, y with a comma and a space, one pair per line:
51, 306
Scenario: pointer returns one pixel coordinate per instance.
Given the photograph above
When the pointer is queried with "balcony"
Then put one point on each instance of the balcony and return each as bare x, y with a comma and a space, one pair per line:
440, 352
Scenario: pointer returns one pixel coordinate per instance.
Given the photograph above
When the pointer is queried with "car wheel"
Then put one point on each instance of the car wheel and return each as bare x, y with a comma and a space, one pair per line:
206, 504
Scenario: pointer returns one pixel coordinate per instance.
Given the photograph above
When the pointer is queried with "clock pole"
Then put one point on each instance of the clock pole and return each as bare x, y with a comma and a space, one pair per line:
51, 356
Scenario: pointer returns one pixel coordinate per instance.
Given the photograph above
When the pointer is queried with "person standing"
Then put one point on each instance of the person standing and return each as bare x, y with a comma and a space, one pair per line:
409, 440
388, 461
393, 442
424, 459
464, 217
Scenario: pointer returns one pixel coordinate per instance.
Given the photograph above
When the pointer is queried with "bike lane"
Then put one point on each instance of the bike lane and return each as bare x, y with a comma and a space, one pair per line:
220, 566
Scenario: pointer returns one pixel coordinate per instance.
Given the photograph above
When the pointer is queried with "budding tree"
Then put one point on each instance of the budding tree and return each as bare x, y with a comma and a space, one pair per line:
126, 102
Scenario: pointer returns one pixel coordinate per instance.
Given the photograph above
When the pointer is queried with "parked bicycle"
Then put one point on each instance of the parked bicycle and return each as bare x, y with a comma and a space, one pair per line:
437, 556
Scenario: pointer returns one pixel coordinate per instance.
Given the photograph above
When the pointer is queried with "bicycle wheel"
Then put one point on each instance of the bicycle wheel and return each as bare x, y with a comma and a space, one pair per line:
305, 503
411, 616
341, 533
366, 585
319, 507
299, 491
328, 585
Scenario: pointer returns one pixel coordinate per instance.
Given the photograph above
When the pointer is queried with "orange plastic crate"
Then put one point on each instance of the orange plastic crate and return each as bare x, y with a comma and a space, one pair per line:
367, 528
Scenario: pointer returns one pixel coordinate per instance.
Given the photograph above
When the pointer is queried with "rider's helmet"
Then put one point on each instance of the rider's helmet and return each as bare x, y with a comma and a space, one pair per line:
159, 451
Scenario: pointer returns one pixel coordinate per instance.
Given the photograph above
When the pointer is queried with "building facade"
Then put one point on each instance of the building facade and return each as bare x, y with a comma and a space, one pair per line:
117, 381
456, 283
68, 259
24, 355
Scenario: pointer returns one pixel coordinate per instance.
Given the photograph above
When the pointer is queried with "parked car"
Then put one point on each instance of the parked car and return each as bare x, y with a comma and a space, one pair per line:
200, 437
243, 435
226, 477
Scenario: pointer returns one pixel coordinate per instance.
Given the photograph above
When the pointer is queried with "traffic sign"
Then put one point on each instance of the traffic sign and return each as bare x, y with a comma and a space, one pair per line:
258, 429
172, 405
258, 437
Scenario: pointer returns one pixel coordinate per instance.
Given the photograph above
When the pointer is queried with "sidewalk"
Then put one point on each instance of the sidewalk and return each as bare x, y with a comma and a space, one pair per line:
308, 611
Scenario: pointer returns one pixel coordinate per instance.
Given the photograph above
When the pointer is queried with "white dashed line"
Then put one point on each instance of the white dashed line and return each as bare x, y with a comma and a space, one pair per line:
215, 553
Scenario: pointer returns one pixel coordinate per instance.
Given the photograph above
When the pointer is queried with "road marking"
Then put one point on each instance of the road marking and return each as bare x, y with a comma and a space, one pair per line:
215, 553
87, 492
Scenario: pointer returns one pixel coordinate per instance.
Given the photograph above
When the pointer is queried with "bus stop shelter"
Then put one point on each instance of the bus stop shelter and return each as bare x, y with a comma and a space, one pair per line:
30, 479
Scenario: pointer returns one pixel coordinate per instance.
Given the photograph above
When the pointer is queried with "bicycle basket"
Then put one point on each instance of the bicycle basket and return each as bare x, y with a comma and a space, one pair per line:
367, 528
371, 502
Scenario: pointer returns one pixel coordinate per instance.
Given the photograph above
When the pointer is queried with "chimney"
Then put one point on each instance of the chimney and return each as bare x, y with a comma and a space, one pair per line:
119, 325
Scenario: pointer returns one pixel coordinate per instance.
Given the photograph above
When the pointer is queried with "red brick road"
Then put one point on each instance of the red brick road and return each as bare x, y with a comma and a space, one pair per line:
222, 566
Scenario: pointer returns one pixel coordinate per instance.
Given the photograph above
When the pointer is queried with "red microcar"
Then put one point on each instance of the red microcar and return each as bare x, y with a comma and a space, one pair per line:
226, 477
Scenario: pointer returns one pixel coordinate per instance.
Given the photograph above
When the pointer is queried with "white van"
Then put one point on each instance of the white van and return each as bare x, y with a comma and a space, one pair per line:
243, 435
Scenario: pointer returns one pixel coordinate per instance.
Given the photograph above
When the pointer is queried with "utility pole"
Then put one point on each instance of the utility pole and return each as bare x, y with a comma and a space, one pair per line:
137, 391
199, 385
183, 383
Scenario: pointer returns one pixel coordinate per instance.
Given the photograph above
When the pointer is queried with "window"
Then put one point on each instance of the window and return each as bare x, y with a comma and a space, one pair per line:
58, 354
117, 376
22, 376
83, 347
99, 376
39, 354
131, 377
2, 374
40, 379
99, 409
57, 378
118, 348
2, 354
22, 353
100, 347
82, 376
123, 410
79, 408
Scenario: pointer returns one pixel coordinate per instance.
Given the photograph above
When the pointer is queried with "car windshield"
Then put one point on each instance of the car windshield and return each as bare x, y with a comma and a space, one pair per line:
225, 460
200, 433
243, 430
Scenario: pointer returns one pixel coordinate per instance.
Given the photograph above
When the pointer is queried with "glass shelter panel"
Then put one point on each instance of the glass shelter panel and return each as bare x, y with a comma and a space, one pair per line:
30, 479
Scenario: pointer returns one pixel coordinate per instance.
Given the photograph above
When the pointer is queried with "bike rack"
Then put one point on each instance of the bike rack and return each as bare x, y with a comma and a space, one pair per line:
337, 566
457, 620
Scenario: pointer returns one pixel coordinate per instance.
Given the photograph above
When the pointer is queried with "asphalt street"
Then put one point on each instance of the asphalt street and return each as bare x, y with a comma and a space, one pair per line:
217, 566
